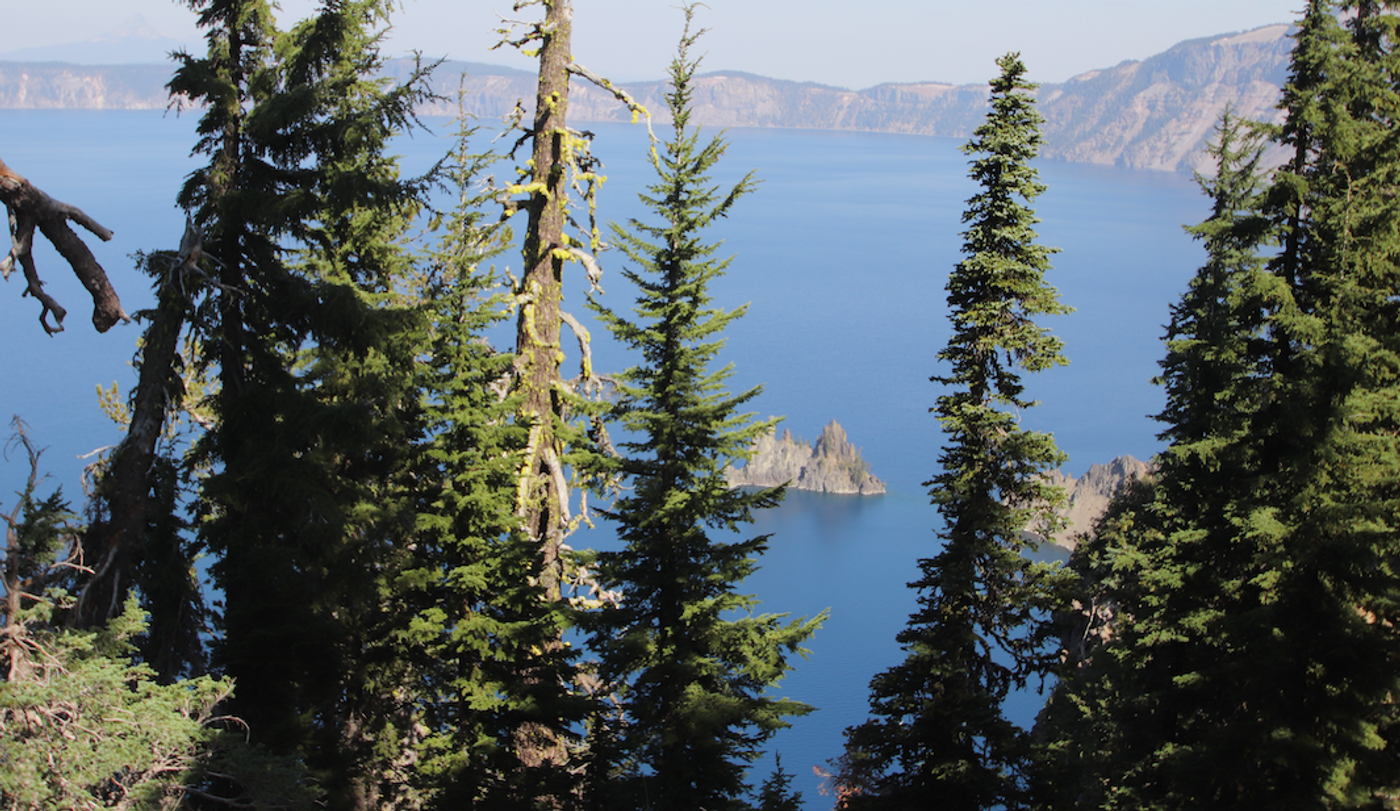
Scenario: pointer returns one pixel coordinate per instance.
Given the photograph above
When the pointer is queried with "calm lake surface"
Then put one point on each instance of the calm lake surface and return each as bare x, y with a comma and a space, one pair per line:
841, 254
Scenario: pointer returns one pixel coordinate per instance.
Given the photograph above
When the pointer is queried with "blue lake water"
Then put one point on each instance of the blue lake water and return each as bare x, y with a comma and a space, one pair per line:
841, 254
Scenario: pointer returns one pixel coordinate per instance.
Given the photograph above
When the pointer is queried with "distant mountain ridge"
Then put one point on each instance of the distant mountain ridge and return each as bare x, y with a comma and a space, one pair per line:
132, 42
1154, 114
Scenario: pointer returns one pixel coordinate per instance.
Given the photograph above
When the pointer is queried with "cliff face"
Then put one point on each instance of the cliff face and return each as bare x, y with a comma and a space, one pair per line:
1158, 113
1088, 496
55, 85
830, 465
1153, 114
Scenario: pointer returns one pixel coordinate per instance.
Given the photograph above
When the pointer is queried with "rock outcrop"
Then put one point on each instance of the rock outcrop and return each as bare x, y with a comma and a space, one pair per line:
1158, 113
830, 465
1153, 114
60, 86
1089, 495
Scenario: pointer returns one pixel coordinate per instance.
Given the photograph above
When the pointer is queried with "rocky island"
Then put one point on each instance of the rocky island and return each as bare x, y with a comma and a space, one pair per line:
830, 465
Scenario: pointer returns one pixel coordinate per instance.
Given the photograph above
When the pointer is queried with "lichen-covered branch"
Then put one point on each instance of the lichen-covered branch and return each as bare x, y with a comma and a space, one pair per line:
30, 208
638, 111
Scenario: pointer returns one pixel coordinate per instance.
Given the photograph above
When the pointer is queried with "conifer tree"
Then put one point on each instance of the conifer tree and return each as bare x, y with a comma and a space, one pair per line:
84, 722
471, 611
358, 380
691, 664
939, 735
1252, 663
302, 212
231, 200
1150, 712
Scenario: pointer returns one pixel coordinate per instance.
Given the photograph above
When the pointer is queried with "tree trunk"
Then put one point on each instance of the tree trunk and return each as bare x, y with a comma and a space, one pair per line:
538, 326
542, 488
126, 487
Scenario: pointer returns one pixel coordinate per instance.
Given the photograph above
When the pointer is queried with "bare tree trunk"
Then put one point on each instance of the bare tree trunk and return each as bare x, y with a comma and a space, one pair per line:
126, 487
538, 325
542, 488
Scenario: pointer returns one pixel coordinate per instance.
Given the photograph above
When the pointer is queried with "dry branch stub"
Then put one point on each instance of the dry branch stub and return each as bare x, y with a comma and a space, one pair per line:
29, 208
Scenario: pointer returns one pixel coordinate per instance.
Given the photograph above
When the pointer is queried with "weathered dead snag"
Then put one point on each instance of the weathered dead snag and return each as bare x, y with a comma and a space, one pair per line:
29, 207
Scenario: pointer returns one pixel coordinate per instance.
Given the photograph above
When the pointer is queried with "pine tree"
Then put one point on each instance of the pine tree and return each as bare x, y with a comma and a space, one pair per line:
939, 734
357, 381
85, 724
776, 794
690, 663
231, 202
471, 606
1332, 518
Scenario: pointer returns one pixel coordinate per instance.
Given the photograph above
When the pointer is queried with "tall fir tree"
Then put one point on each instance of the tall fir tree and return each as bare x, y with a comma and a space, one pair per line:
1329, 448
689, 661
304, 505
1173, 563
1253, 659
939, 735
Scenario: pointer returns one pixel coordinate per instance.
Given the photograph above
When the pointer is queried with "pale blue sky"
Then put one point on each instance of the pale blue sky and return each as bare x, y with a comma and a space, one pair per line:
848, 43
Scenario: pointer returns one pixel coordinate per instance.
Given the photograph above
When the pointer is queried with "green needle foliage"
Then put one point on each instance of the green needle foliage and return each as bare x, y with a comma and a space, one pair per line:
1151, 712
466, 603
1252, 659
83, 723
689, 661
305, 505
939, 734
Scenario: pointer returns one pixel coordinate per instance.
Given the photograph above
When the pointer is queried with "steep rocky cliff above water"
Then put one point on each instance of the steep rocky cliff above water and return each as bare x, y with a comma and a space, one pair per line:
830, 465
1089, 495
1152, 114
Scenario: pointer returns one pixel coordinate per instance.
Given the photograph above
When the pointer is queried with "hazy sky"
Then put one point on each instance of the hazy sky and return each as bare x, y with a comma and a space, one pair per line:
848, 43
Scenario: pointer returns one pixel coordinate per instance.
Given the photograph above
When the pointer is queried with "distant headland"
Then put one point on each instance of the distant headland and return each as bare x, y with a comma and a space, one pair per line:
830, 465
1153, 114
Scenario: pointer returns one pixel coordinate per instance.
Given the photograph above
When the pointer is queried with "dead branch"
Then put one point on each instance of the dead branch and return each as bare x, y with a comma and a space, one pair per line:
585, 347
29, 207
618, 93
590, 266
